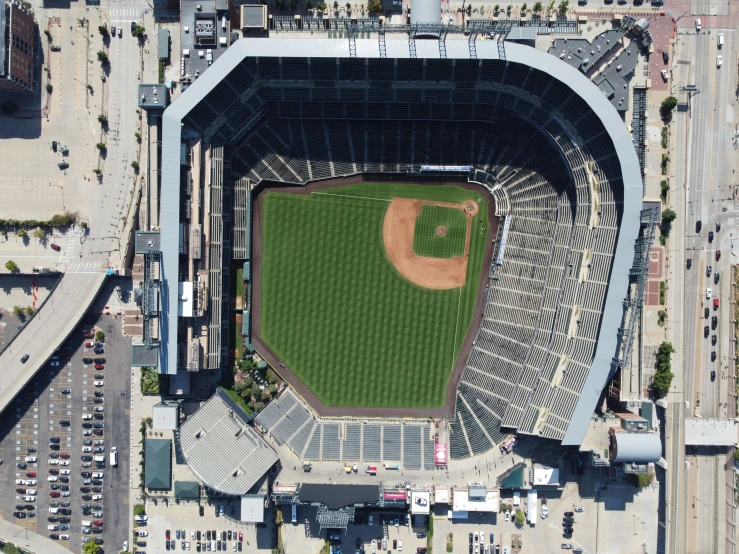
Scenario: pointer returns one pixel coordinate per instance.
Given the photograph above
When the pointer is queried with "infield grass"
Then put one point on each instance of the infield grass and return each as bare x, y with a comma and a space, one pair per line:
425, 240
337, 312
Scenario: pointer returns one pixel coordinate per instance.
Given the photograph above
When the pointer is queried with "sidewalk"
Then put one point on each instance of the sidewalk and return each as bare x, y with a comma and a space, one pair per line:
30, 541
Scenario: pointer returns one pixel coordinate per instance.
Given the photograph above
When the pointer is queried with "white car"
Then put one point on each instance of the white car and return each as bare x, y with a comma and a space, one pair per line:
64, 537
86, 417
400, 545
125, 545
63, 462
98, 475
233, 546
579, 509
97, 496
142, 533
719, 60
52, 478
99, 383
508, 515
708, 293
53, 462
66, 493
31, 459
87, 449
29, 499
31, 492
665, 75
87, 432
373, 544
65, 471
698, 25
138, 518
20, 481
52, 527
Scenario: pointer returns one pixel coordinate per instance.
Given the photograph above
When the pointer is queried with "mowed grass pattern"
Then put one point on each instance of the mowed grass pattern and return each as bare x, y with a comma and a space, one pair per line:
425, 240
340, 316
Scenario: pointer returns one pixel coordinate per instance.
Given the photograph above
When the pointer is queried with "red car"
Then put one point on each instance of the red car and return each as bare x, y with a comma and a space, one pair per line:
718, 254
64, 455
55, 247
715, 303
20, 491
167, 534
241, 536
99, 366
55, 494
98, 523
89, 344
30, 474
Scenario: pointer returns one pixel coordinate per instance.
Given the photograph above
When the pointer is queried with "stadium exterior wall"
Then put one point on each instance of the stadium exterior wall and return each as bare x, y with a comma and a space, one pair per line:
603, 364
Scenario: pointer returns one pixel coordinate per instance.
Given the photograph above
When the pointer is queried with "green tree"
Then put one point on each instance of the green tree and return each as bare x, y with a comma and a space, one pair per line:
524, 8
103, 119
668, 104
17, 311
520, 519
49, 88
496, 8
100, 336
30, 310
48, 35
90, 547
101, 146
321, 7
348, 7
22, 233
374, 7
139, 31
135, 165
10, 265
139, 510
39, 233
550, 6
336, 5
538, 7
564, 5
663, 375
102, 57
308, 4
668, 216
103, 30
640, 480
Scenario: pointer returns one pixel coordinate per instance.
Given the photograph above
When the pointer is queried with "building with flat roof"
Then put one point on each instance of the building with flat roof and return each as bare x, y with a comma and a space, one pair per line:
17, 48
223, 451
476, 497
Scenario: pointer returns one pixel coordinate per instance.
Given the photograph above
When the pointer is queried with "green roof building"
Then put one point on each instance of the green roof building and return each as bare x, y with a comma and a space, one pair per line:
189, 490
158, 466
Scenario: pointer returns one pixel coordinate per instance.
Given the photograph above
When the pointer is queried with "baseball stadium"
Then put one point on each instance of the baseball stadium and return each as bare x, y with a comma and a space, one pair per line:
443, 230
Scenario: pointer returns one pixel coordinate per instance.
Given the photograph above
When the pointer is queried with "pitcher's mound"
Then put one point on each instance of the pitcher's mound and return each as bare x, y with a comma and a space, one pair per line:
441, 231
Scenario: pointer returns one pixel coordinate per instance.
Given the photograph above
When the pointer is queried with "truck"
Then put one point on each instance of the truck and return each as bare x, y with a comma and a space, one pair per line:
114, 456
391, 466
372, 470
43, 270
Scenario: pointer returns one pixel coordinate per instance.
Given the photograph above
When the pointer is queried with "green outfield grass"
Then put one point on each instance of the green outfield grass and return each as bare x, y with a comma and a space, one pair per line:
340, 316
425, 240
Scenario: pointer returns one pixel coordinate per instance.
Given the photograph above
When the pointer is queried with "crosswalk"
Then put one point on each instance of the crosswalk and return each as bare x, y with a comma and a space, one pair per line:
84, 267
124, 15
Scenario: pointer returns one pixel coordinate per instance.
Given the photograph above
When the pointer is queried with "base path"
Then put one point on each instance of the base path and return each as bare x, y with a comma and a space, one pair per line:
398, 229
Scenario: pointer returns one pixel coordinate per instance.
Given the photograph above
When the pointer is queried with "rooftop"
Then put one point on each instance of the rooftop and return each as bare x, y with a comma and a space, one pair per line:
711, 431
461, 501
158, 466
222, 450
335, 496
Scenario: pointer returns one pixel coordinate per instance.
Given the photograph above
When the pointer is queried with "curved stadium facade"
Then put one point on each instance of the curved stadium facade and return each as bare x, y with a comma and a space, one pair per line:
548, 145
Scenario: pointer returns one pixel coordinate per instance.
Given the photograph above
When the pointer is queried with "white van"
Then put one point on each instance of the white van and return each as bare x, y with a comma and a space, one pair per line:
114, 456
698, 25
98, 458
720, 40
86, 523
54, 510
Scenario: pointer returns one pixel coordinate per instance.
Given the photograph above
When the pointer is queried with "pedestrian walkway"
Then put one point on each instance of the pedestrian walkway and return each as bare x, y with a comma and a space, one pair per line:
28, 540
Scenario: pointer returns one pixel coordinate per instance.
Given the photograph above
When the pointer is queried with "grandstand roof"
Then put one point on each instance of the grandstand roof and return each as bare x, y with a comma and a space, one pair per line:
608, 340
225, 453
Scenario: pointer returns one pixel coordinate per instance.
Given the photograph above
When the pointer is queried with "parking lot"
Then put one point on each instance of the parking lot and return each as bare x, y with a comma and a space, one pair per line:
42, 443
165, 517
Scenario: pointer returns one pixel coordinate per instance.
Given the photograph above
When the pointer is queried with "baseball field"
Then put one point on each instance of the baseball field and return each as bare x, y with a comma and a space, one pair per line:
368, 290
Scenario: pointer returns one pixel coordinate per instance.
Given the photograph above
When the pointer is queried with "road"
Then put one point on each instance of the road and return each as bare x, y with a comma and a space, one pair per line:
705, 157
104, 206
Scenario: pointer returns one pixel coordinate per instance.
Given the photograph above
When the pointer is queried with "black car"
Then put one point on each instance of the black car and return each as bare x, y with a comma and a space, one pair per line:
690, 263
98, 425
567, 535
99, 393
470, 538
99, 376
31, 449
86, 474
706, 313
99, 360
99, 416
97, 507
86, 497
65, 423
569, 514
65, 511
86, 360
66, 504
21, 466
20, 506
31, 514
64, 487
710, 236
54, 439
706, 331
698, 225
66, 391
54, 487
99, 351
97, 489
97, 530
133, 27
87, 425
98, 401
97, 482
24, 359
713, 340
98, 432
54, 446
714, 322
167, 544
665, 56
86, 458
713, 356
713, 375
718, 226
64, 520
53, 454
64, 479
229, 536
53, 145
208, 535
86, 507
54, 536
19, 515
198, 535
84, 489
